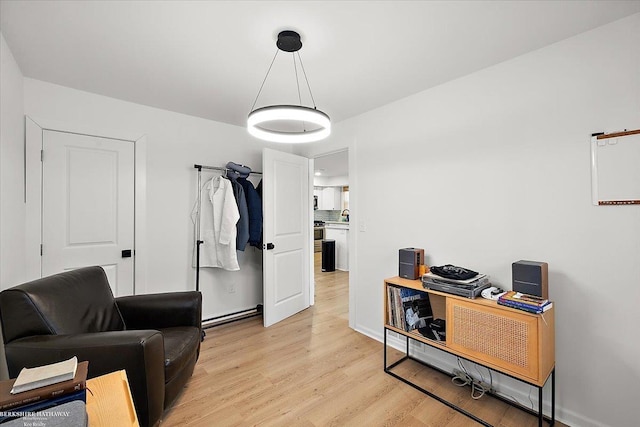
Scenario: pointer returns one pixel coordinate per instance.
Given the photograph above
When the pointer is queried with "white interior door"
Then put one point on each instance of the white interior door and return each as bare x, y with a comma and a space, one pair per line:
88, 206
286, 235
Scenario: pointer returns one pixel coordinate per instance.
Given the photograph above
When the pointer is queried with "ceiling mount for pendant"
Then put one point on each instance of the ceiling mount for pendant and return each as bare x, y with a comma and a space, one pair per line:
289, 41
289, 123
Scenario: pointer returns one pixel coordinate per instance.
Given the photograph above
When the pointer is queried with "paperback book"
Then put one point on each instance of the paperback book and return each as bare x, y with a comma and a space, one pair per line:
525, 298
529, 303
40, 376
34, 408
9, 401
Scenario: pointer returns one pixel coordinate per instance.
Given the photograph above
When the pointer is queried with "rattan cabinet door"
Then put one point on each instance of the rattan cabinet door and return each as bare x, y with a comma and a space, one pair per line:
500, 338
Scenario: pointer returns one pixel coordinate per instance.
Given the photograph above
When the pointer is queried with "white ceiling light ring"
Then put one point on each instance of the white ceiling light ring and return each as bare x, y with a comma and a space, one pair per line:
289, 138
289, 113
289, 41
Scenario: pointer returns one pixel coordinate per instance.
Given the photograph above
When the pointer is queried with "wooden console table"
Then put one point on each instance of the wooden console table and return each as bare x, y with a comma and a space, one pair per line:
512, 342
109, 401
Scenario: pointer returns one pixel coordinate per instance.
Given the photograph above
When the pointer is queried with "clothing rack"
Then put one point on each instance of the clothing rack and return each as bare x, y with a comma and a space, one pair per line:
218, 168
231, 317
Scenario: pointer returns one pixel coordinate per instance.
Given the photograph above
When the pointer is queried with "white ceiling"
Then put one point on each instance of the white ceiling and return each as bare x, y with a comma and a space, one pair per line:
208, 58
332, 164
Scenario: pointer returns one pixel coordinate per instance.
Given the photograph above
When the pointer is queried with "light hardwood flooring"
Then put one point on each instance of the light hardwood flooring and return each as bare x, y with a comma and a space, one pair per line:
313, 370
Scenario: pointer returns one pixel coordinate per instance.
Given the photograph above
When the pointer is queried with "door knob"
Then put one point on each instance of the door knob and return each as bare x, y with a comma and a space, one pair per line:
126, 253
269, 246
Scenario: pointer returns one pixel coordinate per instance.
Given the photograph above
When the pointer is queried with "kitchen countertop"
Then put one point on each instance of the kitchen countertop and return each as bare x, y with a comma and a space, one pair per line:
336, 224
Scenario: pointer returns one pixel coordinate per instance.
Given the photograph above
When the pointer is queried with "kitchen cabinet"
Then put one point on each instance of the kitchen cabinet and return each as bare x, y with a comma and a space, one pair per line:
325, 197
340, 233
330, 200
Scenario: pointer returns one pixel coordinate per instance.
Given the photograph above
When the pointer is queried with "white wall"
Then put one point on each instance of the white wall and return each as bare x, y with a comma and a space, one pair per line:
174, 143
495, 167
331, 181
12, 210
12, 207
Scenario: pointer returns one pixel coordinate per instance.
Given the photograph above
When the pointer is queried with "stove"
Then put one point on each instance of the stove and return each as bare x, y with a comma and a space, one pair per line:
318, 235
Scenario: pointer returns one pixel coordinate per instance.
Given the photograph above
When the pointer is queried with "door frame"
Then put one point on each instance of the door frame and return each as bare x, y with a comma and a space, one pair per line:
34, 130
353, 215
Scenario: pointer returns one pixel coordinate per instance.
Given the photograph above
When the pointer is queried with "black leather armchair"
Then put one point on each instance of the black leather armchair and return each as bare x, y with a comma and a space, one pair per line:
155, 338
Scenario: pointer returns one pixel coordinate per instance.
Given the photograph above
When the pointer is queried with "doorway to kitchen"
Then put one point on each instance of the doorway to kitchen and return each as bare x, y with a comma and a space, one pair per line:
331, 221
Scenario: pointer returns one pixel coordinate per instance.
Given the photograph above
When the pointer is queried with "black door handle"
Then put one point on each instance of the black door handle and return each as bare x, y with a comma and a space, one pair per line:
269, 246
126, 253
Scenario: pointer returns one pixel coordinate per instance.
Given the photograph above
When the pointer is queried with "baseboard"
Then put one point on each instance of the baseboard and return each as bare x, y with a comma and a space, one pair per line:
371, 333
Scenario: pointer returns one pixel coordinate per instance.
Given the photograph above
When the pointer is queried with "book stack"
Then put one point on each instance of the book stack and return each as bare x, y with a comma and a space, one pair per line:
39, 389
525, 302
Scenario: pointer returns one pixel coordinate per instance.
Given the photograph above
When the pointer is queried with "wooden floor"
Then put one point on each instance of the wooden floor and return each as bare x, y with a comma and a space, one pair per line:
313, 370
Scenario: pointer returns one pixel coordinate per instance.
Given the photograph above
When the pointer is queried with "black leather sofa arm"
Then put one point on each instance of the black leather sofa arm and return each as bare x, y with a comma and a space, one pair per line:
139, 352
159, 311
97, 346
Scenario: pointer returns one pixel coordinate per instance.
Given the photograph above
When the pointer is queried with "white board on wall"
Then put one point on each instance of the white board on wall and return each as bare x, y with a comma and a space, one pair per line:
615, 168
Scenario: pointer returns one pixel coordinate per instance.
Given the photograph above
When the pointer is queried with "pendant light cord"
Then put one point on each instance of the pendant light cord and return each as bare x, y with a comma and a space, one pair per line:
265, 79
295, 70
307, 80
297, 82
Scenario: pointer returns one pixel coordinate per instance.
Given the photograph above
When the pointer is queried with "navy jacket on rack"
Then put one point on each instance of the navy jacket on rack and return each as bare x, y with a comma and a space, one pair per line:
243, 223
254, 204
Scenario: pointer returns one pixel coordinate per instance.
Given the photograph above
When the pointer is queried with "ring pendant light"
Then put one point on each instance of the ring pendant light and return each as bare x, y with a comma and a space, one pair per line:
289, 41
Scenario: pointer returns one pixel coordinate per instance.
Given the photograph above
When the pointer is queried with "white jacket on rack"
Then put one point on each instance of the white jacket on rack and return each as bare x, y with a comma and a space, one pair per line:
218, 217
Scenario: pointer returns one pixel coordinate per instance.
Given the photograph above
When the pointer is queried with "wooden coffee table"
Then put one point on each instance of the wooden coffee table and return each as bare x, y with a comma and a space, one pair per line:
109, 401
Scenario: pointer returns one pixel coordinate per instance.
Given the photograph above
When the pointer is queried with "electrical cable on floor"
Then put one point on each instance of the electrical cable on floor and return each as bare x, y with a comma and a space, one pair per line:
479, 373
462, 367
530, 401
462, 379
478, 388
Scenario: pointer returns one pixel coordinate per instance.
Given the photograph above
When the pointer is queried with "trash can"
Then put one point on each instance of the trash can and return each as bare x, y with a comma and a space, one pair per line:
328, 255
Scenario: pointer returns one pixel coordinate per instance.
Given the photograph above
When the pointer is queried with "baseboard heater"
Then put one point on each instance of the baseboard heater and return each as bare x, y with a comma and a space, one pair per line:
231, 317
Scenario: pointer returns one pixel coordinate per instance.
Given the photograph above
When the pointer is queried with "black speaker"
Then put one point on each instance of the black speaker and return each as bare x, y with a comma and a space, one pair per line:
530, 277
410, 261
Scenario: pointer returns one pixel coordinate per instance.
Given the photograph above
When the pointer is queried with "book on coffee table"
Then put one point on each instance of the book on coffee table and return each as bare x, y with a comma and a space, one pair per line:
8, 400
40, 376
